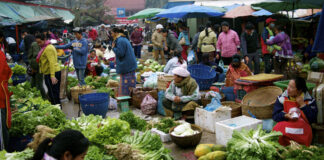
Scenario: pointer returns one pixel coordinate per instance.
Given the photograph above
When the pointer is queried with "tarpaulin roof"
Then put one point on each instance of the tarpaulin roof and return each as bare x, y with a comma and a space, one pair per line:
319, 39
175, 4
241, 11
262, 12
24, 12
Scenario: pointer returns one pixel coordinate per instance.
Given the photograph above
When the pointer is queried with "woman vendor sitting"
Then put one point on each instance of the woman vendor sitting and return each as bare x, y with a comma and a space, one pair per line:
236, 70
295, 110
182, 94
93, 65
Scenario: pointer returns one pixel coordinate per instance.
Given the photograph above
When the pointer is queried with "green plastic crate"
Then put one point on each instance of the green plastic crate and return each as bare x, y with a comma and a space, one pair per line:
284, 84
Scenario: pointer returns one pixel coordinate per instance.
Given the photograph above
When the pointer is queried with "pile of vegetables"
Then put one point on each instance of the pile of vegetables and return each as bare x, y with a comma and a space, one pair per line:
43, 132
165, 124
150, 65
71, 82
22, 93
24, 123
210, 152
140, 147
98, 130
19, 70
254, 144
135, 122
96, 82
301, 152
97, 153
24, 155
184, 130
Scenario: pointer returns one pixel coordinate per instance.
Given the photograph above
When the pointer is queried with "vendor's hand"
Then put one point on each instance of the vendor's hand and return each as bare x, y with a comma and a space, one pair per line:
289, 117
300, 101
177, 99
54, 80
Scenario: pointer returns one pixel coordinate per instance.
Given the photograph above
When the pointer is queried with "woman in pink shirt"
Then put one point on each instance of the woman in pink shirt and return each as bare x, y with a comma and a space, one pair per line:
228, 43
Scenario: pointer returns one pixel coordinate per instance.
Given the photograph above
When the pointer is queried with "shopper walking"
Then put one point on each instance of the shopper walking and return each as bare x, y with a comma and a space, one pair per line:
207, 42
137, 40
194, 45
266, 34
158, 43
184, 41
103, 34
249, 46
228, 43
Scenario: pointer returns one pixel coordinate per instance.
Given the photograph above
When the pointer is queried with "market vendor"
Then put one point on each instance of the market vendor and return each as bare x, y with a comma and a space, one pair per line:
5, 112
295, 110
94, 67
182, 94
236, 70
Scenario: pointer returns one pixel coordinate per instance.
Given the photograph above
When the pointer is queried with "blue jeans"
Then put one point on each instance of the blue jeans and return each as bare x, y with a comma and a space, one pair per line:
80, 74
137, 51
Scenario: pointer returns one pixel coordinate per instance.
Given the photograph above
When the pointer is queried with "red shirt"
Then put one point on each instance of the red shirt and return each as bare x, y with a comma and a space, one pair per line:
5, 74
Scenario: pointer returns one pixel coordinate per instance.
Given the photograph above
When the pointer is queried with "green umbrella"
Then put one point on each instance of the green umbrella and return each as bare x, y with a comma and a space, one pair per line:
289, 5
146, 13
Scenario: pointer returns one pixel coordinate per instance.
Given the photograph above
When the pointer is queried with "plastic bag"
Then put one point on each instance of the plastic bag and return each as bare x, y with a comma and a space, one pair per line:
148, 105
160, 108
213, 105
191, 57
112, 104
151, 82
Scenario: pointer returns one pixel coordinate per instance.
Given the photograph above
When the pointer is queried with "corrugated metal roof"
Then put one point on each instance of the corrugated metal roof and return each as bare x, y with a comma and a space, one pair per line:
21, 13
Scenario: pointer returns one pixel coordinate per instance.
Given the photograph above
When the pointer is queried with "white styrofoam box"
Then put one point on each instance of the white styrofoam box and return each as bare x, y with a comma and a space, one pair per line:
163, 136
224, 129
206, 120
319, 96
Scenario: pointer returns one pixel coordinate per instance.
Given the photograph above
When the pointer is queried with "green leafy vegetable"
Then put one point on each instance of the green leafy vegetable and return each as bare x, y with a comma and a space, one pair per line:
134, 121
96, 82
19, 70
27, 154
254, 145
165, 124
296, 151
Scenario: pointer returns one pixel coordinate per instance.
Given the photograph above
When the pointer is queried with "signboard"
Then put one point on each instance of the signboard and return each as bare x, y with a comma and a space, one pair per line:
124, 20
120, 12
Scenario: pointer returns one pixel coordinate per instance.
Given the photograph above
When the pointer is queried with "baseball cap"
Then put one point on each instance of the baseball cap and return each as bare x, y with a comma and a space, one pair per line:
269, 20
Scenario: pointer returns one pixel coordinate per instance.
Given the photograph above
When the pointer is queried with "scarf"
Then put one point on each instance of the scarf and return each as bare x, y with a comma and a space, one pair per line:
42, 50
187, 85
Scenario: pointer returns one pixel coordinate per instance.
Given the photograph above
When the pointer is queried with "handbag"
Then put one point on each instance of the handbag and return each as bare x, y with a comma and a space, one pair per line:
182, 41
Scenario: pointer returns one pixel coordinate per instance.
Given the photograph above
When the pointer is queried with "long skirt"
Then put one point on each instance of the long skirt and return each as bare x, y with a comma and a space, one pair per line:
127, 82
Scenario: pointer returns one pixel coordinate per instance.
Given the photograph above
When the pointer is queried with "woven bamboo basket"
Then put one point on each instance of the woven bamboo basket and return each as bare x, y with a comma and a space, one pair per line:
260, 102
163, 81
76, 91
187, 141
236, 108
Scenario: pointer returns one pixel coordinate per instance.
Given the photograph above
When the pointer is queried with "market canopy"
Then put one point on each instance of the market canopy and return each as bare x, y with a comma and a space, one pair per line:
262, 12
240, 11
189, 11
146, 13
289, 5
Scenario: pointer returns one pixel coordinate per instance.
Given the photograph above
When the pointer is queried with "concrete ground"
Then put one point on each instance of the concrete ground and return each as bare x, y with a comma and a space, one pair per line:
71, 110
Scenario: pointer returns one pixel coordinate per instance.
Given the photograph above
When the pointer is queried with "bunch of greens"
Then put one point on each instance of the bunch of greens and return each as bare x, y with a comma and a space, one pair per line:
98, 130
27, 154
71, 82
25, 123
24, 91
140, 147
296, 151
254, 145
106, 90
165, 124
97, 153
135, 122
19, 70
96, 82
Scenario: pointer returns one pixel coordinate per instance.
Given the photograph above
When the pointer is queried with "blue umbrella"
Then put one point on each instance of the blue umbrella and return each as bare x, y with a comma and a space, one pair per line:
189, 11
319, 39
262, 12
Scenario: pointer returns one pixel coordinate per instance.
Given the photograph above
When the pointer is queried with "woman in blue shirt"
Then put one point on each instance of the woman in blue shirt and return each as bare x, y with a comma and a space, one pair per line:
185, 44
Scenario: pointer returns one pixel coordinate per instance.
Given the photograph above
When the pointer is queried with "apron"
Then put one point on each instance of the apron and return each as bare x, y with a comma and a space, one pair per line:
299, 131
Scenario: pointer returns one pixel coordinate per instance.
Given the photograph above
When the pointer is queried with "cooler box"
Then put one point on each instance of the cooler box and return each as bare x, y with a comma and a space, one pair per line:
224, 129
206, 120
